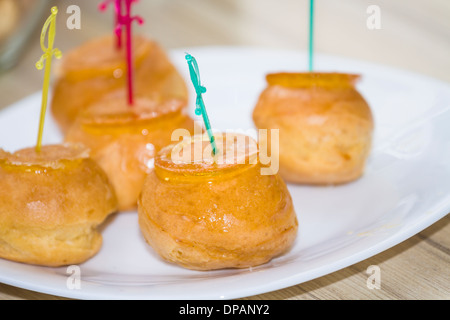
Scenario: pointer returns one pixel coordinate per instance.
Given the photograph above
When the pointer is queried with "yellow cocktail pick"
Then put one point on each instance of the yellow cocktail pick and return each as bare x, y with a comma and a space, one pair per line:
49, 52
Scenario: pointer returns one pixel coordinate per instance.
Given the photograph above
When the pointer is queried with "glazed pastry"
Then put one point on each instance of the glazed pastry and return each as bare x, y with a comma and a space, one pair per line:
325, 126
207, 214
97, 68
51, 204
124, 140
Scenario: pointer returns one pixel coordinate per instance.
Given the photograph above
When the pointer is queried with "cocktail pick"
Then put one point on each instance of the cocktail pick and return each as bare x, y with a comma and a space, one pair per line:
49, 52
117, 25
311, 35
200, 105
125, 21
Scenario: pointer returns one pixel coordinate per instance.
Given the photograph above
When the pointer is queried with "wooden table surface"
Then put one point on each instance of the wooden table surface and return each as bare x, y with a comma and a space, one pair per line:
414, 35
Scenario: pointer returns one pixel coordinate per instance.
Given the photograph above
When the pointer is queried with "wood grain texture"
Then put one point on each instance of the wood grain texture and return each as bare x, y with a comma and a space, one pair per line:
414, 35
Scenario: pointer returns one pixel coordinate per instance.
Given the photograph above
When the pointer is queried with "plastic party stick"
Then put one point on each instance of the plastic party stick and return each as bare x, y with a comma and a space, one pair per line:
118, 12
49, 52
125, 21
311, 35
200, 105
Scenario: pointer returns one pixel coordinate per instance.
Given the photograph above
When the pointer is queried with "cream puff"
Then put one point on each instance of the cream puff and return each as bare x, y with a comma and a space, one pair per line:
51, 205
205, 212
325, 126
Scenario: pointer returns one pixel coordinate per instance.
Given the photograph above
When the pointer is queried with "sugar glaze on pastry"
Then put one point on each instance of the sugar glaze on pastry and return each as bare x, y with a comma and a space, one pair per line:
51, 205
206, 214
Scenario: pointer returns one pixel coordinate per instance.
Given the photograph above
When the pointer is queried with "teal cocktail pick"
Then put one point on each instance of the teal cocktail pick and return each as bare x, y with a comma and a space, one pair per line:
200, 109
311, 35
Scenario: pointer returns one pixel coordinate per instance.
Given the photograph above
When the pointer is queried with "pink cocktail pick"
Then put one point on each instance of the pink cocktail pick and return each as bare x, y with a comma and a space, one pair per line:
118, 12
125, 20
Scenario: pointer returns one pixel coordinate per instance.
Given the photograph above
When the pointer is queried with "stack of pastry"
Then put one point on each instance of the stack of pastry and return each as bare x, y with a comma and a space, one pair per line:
91, 107
124, 140
97, 68
204, 213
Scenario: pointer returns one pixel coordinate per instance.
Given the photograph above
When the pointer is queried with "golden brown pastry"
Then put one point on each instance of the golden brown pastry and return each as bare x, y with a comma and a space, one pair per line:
97, 68
51, 204
325, 126
206, 215
124, 140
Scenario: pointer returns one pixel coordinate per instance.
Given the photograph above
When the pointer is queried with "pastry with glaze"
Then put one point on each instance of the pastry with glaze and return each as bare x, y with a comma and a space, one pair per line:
325, 126
205, 212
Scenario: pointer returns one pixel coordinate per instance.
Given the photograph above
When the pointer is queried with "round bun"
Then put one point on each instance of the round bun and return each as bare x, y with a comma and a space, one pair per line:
325, 125
207, 213
51, 204
98, 67
124, 140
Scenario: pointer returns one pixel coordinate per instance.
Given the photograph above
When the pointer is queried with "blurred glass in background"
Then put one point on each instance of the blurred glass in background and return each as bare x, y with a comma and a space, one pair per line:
19, 20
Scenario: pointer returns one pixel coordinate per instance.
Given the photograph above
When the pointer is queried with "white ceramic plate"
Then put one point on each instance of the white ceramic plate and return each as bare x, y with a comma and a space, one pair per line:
406, 187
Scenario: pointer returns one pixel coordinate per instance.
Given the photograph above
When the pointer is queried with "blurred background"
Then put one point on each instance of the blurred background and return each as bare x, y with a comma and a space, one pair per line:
414, 34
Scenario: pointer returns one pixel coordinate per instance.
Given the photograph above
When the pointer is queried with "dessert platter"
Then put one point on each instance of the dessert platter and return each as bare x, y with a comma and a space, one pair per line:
212, 231
146, 185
